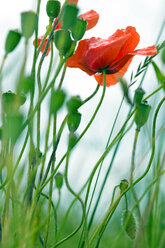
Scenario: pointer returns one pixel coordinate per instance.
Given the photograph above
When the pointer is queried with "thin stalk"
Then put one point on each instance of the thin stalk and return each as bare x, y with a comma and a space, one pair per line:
83, 219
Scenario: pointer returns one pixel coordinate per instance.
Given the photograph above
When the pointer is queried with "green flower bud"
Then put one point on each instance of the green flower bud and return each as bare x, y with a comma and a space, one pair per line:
69, 15
53, 8
73, 104
13, 125
78, 29
11, 101
12, 40
57, 100
72, 140
73, 121
26, 85
59, 180
123, 185
129, 224
139, 93
142, 114
62, 40
29, 22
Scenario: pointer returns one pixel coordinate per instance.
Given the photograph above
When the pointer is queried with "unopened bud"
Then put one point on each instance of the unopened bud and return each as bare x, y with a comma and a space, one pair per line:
12, 40
59, 180
29, 22
73, 121
62, 40
69, 15
73, 104
53, 8
78, 29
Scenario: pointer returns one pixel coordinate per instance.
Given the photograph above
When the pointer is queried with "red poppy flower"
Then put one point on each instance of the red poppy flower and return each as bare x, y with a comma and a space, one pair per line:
113, 55
91, 17
43, 46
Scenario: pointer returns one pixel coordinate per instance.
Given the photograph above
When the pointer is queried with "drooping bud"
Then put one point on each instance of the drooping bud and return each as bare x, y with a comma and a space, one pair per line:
69, 15
73, 104
11, 101
78, 29
123, 185
62, 40
57, 100
29, 22
142, 114
12, 40
73, 121
53, 8
59, 180
128, 222
72, 140
139, 93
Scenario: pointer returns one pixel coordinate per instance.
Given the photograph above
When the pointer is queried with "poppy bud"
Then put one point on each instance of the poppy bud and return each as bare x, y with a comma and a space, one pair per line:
73, 104
69, 15
62, 40
123, 185
13, 125
12, 102
57, 100
59, 180
26, 84
139, 93
29, 22
142, 114
73, 121
129, 223
12, 40
72, 140
53, 8
78, 29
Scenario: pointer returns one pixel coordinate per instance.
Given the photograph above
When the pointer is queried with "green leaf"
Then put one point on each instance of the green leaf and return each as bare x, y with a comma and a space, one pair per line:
159, 74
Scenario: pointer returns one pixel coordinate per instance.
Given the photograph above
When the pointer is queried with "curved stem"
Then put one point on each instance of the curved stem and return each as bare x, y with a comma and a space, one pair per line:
113, 207
62, 77
92, 95
83, 219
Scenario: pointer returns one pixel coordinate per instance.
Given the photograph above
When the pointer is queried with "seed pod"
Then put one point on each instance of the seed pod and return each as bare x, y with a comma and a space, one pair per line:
72, 140
73, 121
139, 93
123, 185
69, 15
78, 29
128, 222
142, 114
59, 180
12, 40
57, 100
73, 104
53, 8
29, 22
62, 40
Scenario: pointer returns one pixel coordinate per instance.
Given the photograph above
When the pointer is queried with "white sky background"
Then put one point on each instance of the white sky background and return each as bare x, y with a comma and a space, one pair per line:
146, 15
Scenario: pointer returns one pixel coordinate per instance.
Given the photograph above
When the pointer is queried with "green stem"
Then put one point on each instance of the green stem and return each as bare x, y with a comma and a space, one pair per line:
62, 77
132, 169
83, 219
92, 95
113, 207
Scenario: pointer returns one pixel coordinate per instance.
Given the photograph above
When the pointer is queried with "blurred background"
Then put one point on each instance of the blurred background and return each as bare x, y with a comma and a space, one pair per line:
147, 16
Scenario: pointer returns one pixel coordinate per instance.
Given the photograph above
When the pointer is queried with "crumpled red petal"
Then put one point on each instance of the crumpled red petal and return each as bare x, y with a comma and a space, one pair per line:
112, 79
43, 46
91, 17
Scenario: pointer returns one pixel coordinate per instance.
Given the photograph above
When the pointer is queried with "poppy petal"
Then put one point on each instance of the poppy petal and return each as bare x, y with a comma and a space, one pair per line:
102, 53
112, 79
43, 46
148, 51
77, 59
73, 1
91, 17
131, 43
